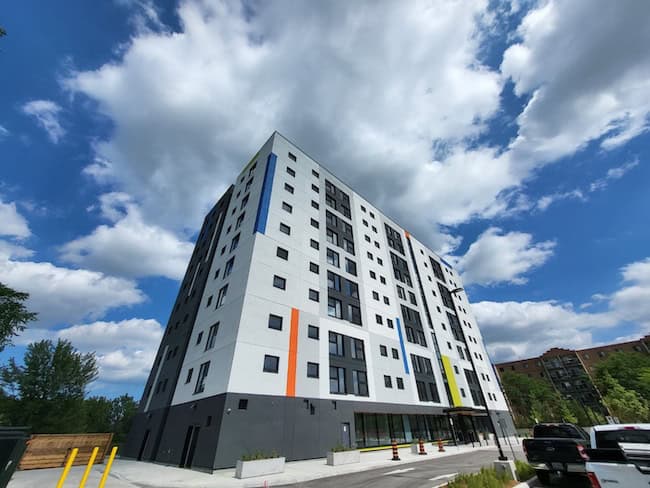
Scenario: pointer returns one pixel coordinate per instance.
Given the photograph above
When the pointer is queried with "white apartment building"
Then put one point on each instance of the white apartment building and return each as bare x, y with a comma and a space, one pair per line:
307, 318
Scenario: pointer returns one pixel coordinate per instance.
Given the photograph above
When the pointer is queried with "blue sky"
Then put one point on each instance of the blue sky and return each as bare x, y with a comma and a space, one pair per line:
512, 137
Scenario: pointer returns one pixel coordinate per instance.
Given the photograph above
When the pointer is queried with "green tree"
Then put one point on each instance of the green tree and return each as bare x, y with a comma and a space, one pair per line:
50, 387
110, 415
13, 314
631, 370
623, 403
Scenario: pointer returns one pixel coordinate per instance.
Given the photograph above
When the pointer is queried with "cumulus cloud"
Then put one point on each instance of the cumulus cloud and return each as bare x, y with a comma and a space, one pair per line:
4, 132
63, 295
12, 223
129, 247
498, 257
125, 349
46, 113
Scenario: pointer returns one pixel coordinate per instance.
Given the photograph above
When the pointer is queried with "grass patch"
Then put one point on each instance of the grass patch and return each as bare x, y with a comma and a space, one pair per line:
254, 456
524, 470
486, 478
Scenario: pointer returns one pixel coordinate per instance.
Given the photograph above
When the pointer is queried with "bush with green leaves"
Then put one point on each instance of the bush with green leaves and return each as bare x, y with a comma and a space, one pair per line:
486, 478
342, 448
257, 455
524, 470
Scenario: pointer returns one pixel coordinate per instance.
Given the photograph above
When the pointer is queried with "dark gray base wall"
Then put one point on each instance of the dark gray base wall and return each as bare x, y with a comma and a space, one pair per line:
297, 428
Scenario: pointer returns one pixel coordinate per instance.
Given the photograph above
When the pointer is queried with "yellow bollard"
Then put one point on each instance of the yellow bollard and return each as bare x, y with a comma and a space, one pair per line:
108, 467
68, 465
82, 483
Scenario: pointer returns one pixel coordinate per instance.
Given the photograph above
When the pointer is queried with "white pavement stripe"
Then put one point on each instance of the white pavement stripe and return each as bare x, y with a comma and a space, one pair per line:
397, 471
450, 475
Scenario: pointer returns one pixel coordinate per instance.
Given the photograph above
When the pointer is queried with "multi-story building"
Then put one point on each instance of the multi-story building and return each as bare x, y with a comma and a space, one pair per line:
306, 319
570, 371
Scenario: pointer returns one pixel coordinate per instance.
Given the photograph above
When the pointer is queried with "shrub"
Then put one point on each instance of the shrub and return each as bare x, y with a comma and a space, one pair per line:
486, 478
342, 448
254, 456
524, 470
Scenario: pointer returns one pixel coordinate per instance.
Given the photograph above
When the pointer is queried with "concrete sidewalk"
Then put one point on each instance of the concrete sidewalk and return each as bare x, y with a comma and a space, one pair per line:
134, 474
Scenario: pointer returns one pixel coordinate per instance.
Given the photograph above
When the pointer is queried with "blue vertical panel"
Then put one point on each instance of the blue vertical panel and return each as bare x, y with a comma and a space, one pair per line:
265, 198
401, 345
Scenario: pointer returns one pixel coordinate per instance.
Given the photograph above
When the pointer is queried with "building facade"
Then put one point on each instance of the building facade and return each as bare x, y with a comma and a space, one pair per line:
570, 371
307, 319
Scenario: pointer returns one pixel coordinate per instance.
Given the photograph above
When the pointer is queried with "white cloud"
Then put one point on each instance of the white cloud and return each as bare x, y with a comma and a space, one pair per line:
125, 350
496, 257
129, 247
46, 113
613, 174
632, 302
10, 250
12, 223
544, 202
63, 295
4, 132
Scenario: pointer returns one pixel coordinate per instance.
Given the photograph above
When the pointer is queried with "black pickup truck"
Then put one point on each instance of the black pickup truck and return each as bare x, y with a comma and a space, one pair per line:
558, 448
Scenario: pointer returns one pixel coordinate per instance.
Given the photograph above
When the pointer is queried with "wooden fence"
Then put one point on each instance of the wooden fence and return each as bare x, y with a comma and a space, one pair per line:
52, 450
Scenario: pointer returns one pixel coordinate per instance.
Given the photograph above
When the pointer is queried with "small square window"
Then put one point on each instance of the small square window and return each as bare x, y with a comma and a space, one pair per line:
313, 295
314, 223
279, 282
380, 262
386, 300
395, 353
315, 173
243, 404
314, 244
285, 229
198, 338
312, 332
291, 172
388, 382
312, 370
374, 229
315, 188
365, 222
271, 364
275, 322
315, 205
389, 323
462, 392
400, 383
313, 267
369, 255
292, 157
382, 280
286, 207
383, 351
375, 295
376, 244
188, 378
372, 215
373, 275
363, 209
288, 187
367, 238
282, 253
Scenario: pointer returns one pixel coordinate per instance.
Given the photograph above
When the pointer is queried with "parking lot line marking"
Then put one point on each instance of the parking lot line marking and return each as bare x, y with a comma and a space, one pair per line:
435, 478
397, 471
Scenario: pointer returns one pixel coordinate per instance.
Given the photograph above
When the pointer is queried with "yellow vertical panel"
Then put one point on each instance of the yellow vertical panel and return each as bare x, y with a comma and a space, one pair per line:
451, 381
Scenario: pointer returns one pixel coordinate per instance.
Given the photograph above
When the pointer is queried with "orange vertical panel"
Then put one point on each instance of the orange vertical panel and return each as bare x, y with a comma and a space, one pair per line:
293, 353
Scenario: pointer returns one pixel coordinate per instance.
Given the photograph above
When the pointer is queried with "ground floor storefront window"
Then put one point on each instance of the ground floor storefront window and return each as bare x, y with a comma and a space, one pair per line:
377, 429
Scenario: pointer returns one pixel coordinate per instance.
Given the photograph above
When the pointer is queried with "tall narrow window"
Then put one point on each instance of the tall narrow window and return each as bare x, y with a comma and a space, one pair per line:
336, 344
234, 243
200, 379
334, 308
212, 335
337, 380
221, 296
228, 268
360, 383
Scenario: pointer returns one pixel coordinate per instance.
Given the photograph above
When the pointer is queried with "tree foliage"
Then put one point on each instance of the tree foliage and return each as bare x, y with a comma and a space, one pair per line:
13, 313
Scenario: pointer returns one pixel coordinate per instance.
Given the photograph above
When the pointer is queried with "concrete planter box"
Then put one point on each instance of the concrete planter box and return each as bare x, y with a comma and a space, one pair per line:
259, 467
343, 457
415, 448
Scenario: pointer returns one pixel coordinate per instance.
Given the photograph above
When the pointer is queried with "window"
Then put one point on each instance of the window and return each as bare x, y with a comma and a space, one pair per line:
285, 229
373, 275
249, 183
315, 205
216, 274
275, 322
460, 352
221, 296
228, 268
234, 243
388, 382
333, 281
244, 201
336, 344
313, 295
209, 301
332, 237
291, 172
292, 157
375, 295
351, 289
286, 207
333, 258
395, 353
200, 379
337, 380
367, 238
312, 370
314, 244
365, 222
401, 293
288, 187
350, 266
282, 253
422, 391
380, 261
312, 332
412, 298
315, 173
383, 350
378, 319
243, 404
314, 223
462, 392
240, 219
363, 209
386, 300
374, 229
334, 308
271, 364
188, 378
369, 256
382, 280
315, 188
313, 267
360, 383
212, 335
456, 369
357, 349
400, 383
331, 219
279, 282
348, 246
389, 323
376, 244
198, 338
354, 314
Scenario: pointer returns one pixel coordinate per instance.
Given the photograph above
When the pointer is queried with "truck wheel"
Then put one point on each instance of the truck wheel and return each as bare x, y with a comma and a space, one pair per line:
543, 476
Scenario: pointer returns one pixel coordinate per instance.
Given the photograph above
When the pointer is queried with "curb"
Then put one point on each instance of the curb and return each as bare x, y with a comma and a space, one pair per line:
524, 484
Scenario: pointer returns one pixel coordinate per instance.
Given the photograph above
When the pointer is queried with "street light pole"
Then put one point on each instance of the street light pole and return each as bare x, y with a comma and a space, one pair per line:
502, 456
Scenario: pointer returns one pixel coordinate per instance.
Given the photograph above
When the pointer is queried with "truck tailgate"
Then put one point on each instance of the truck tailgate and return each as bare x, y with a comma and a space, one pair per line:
540, 451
